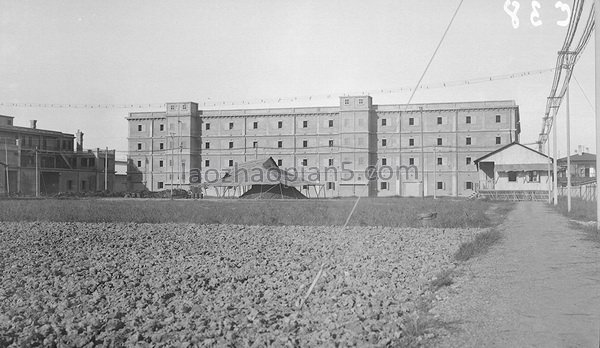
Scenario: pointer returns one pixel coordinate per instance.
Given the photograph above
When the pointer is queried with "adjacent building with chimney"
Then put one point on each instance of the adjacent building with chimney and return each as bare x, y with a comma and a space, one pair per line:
430, 148
50, 161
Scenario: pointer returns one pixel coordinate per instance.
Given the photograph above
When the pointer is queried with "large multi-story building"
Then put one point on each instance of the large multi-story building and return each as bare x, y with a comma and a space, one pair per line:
416, 149
46, 161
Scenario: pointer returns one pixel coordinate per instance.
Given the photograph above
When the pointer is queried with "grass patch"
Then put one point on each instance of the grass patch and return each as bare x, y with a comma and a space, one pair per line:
580, 209
444, 278
583, 212
389, 212
478, 246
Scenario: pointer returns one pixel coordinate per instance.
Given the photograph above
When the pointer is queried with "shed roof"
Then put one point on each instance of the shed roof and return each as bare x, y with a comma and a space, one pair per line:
506, 147
580, 157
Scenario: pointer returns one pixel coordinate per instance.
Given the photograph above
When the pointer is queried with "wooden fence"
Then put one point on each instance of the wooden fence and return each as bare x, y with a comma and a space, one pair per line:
514, 195
586, 192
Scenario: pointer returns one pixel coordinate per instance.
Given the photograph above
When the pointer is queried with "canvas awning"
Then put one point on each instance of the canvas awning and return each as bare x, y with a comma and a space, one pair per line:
521, 167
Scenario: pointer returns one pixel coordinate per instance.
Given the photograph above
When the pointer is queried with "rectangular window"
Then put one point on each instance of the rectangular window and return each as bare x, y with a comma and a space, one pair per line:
162, 127
498, 118
280, 124
440, 161
439, 141
207, 163
411, 161
383, 142
533, 176
161, 146
231, 163
439, 120
330, 123
304, 143
498, 140
346, 101
69, 185
440, 185
231, 144
384, 161
331, 161
304, 124
279, 162
304, 162
384, 122
230, 125
384, 185
280, 144
139, 127
207, 126
172, 107
207, 145
255, 125
468, 119
512, 176
331, 185
330, 143
139, 146
184, 107
361, 101
468, 160
469, 185
411, 121
468, 141
411, 142
160, 185
255, 144
139, 164
161, 163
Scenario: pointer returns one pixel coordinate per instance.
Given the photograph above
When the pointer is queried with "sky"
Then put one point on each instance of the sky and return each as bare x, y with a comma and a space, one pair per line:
239, 52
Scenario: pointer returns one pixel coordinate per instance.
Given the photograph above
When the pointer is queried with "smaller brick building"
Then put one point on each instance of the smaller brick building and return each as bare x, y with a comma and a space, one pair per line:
57, 159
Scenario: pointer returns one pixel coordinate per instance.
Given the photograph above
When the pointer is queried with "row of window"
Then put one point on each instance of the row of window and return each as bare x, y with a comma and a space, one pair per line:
440, 185
411, 142
140, 127
411, 122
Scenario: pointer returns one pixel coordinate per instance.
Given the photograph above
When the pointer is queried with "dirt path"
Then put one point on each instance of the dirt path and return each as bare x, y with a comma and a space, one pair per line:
539, 287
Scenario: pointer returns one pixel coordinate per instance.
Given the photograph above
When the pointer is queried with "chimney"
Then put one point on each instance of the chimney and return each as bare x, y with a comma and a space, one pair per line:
580, 148
33, 124
79, 139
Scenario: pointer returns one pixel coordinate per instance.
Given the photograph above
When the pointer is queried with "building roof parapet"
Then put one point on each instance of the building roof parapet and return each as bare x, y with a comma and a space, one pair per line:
495, 104
28, 130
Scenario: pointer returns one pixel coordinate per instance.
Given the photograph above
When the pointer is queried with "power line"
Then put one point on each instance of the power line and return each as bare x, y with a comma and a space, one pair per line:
211, 103
567, 58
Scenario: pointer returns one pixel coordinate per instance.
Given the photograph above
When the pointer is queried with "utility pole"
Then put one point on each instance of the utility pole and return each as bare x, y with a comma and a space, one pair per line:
422, 156
179, 157
568, 153
549, 181
172, 161
37, 174
555, 164
7, 180
106, 170
597, 102
435, 164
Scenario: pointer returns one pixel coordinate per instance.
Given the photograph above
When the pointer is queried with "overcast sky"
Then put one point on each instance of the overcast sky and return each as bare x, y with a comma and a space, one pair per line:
105, 52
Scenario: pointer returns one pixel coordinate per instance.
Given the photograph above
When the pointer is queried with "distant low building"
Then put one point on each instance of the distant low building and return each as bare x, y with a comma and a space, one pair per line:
583, 169
514, 172
58, 159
